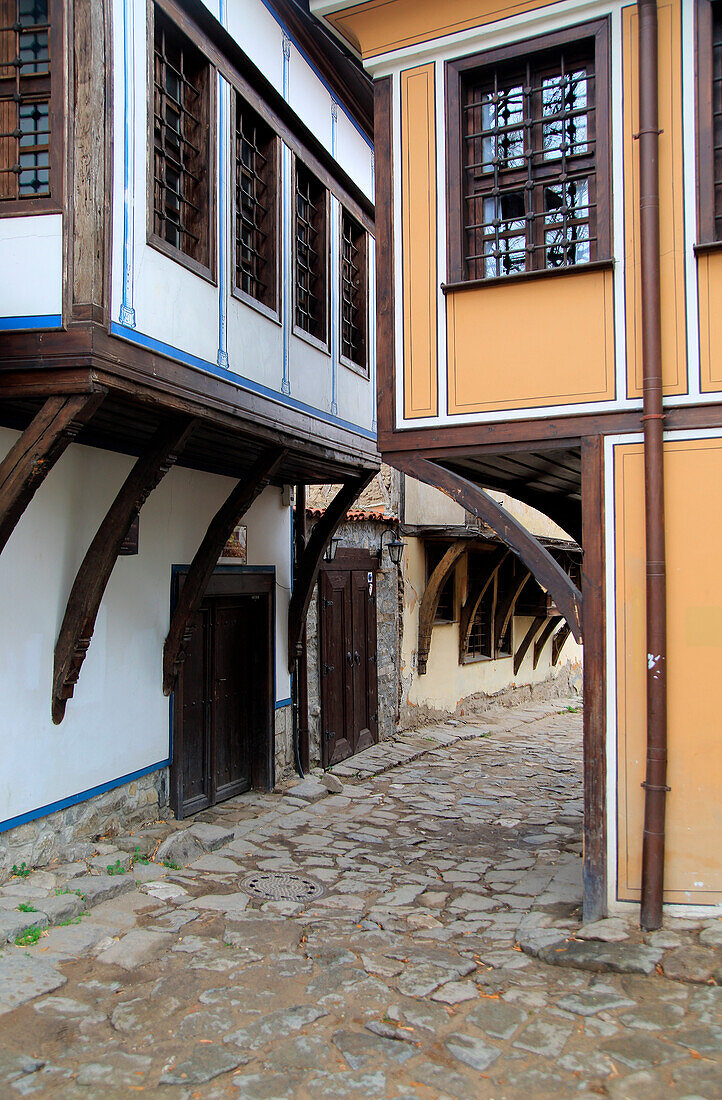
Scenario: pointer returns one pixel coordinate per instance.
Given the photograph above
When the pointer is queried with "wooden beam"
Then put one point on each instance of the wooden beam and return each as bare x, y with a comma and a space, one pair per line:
476, 595
308, 567
430, 601
33, 455
535, 557
92, 578
544, 637
527, 640
206, 557
558, 641
505, 609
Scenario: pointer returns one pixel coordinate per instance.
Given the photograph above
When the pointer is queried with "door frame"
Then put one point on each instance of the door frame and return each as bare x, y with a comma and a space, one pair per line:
346, 559
232, 580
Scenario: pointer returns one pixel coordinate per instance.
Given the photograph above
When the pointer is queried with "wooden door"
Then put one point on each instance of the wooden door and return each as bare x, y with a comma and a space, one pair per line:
221, 722
349, 688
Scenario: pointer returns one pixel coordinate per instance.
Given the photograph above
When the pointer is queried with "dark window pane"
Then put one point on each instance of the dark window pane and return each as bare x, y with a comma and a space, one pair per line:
255, 206
24, 99
353, 290
310, 253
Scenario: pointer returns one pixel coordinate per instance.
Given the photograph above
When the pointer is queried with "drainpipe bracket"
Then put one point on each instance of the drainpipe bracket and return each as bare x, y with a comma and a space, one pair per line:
654, 787
647, 130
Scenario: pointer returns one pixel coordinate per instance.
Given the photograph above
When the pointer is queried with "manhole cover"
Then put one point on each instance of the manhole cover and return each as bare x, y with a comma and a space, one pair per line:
280, 886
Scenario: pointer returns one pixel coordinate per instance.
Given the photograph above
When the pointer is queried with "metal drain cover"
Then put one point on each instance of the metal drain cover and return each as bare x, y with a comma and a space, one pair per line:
282, 886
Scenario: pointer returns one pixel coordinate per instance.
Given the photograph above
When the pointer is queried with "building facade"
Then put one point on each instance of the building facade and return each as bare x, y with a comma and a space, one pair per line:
548, 189
186, 227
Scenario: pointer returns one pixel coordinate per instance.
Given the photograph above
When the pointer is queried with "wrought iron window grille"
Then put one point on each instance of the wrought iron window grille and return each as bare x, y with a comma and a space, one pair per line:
353, 291
311, 248
256, 203
25, 86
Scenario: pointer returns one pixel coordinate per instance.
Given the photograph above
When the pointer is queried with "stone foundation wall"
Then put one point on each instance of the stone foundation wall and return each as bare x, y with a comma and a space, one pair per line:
64, 834
284, 743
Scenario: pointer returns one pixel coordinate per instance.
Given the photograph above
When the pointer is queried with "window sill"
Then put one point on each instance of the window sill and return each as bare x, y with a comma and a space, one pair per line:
179, 257
706, 247
314, 341
253, 303
528, 276
476, 660
355, 367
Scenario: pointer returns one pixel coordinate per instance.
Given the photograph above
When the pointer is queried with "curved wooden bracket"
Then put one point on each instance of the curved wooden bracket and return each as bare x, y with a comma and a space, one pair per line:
551, 625
92, 578
527, 640
430, 601
310, 563
476, 595
558, 641
33, 455
505, 609
512, 533
206, 556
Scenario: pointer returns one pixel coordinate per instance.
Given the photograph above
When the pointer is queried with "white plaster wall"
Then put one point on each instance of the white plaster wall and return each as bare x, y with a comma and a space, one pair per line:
447, 682
31, 255
118, 720
428, 506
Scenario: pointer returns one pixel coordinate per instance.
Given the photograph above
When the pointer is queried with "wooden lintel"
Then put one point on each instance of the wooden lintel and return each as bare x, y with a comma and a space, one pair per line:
550, 627
94, 573
430, 601
547, 571
201, 568
527, 640
310, 563
33, 455
558, 641
476, 595
505, 608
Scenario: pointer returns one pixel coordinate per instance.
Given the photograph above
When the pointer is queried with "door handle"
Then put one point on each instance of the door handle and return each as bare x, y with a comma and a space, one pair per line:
349, 659
356, 657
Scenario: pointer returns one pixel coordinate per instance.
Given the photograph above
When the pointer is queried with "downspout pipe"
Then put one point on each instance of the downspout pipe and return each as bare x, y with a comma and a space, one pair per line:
655, 784
304, 748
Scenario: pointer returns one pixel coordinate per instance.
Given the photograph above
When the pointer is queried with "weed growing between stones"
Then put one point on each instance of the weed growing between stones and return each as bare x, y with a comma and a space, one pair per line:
29, 938
115, 868
138, 858
23, 907
22, 871
171, 865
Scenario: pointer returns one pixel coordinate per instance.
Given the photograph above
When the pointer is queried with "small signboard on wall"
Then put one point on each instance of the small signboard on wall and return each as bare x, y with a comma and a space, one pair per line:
235, 548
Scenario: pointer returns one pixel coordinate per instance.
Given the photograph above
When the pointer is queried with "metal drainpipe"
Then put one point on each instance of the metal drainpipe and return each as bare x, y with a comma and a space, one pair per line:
655, 784
304, 750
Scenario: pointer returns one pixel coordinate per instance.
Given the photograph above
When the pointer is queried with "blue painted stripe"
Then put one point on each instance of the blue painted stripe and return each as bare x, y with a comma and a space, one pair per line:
63, 803
283, 703
168, 350
41, 320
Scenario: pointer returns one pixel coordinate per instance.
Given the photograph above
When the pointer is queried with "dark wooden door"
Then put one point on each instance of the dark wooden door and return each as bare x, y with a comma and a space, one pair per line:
221, 703
349, 686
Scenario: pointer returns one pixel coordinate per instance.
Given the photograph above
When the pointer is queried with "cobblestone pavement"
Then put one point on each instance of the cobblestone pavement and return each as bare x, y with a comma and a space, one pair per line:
434, 949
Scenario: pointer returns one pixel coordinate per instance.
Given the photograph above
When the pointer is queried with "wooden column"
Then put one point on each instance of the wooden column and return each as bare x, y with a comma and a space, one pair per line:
207, 555
304, 736
92, 578
33, 455
595, 679
308, 567
558, 641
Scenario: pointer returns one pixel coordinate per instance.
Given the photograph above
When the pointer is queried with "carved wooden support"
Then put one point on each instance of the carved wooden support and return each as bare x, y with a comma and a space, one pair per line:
476, 595
33, 455
505, 609
550, 575
310, 563
207, 554
558, 641
97, 565
527, 640
551, 625
430, 601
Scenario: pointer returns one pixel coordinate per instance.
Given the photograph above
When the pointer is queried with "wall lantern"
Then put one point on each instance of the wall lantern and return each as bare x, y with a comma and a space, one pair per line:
332, 548
395, 548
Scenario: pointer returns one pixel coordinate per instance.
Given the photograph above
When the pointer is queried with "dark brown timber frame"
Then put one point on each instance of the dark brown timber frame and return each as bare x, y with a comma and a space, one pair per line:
505, 609
558, 641
33, 455
430, 600
540, 563
474, 598
526, 641
549, 628
309, 565
206, 557
97, 565
709, 216
301, 682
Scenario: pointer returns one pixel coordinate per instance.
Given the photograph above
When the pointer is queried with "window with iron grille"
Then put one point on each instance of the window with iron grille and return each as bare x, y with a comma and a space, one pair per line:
181, 123
529, 164
256, 206
445, 607
25, 99
353, 291
709, 125
480, 641
311, 253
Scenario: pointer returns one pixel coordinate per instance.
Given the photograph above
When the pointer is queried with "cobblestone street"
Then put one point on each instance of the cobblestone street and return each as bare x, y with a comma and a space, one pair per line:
434, 949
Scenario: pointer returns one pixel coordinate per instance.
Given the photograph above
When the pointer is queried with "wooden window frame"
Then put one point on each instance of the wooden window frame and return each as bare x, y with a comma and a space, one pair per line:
206, 270
361, 368
431, 552
456, 72
324, 344
707, 217
271, 311
54, 202
494, 591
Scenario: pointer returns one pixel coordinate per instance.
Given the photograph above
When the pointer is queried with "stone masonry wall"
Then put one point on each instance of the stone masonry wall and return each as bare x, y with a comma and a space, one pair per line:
284, 743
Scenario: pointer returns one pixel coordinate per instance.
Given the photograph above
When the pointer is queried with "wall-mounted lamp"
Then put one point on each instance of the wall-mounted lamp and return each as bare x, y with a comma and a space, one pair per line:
332, 548
395, 548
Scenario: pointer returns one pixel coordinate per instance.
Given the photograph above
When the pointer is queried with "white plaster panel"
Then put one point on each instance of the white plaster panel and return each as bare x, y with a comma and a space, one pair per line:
118, 720
354, 154
176, 306
353, 396
32, 249
255, 344
309, 374
259, 36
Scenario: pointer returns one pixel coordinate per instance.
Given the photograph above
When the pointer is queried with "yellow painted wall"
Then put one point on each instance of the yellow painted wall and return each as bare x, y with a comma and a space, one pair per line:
693, 872
709, 272
497, 363
418, 188
671, 198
